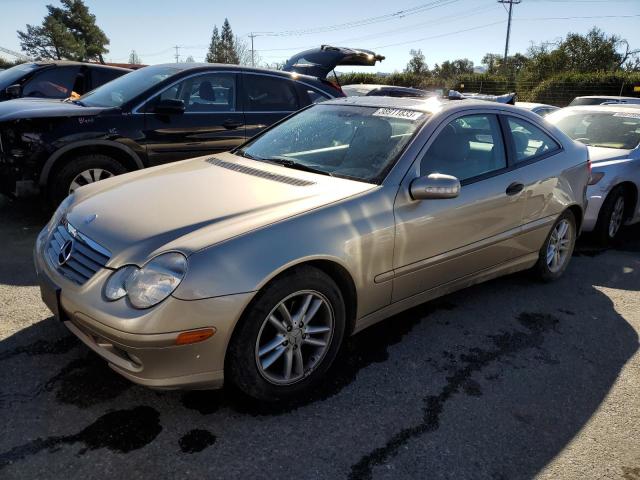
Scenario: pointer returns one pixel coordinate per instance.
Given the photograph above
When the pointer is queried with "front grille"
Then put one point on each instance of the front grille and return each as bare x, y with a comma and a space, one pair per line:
81, 259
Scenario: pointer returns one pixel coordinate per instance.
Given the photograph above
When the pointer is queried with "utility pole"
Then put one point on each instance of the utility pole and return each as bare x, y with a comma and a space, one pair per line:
511, 3
177, 47
253, 61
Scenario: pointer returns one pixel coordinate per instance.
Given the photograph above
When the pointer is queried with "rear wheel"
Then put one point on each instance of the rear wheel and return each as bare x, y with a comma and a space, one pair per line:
81, 171
289, 336
556, 252
611, 217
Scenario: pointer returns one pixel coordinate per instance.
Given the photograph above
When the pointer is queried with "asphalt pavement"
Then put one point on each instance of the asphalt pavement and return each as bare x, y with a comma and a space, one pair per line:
512, 379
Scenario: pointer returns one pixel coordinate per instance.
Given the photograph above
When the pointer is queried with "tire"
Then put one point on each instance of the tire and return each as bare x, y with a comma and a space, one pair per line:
611, 217
99, 167
545, 269
256, 334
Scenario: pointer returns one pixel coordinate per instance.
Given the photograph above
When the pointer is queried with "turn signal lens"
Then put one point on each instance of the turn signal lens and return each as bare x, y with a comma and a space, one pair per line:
595, 177
195, 336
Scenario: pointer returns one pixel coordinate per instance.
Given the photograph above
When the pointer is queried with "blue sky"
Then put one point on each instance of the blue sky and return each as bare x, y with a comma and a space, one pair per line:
443, 29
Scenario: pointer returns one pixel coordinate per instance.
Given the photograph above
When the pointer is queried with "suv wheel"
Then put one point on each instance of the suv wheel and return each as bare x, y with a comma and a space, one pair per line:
81, 171
556, 252
289, 336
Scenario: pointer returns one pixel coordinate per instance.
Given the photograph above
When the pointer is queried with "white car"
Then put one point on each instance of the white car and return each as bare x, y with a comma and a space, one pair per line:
603, 99
541, 109
612, 133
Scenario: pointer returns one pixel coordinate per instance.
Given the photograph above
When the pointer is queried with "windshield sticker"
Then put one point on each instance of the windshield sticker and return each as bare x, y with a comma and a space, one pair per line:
627, 115
398, 113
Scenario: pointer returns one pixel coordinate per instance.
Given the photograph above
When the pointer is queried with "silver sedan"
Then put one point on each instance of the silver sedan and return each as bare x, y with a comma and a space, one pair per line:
612, 133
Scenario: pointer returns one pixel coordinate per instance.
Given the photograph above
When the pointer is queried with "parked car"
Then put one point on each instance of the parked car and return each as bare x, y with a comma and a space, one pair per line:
59, 80
612, 133
251, 267
600, 99
154, 115
541, 109
386, 91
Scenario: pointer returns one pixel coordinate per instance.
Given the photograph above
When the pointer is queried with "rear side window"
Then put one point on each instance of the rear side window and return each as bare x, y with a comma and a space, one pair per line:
54, 82
100, 76
264, 93
529, 141
467, 147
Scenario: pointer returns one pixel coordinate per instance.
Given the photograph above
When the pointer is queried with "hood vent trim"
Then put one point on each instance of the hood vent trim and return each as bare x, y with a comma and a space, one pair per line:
236, 167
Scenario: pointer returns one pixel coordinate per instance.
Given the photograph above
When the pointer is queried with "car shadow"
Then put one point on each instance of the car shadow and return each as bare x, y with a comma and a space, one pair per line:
20, 223
490, 382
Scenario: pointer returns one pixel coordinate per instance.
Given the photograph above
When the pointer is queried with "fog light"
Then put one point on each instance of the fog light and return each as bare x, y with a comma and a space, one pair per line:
195, 336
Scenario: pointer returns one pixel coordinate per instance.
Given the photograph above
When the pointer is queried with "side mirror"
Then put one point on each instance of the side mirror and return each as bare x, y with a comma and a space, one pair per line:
435, 186
168, 106
13, 91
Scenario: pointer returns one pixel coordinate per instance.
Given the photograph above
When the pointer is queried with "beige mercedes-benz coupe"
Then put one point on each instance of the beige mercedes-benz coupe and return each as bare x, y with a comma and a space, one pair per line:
253, 266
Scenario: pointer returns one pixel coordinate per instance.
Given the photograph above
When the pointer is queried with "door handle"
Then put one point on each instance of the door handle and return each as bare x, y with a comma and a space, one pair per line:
514, 188
231, 125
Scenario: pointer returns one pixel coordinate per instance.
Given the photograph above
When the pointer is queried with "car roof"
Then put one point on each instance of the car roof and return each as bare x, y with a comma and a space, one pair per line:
618, 107
70, 62
428, 105
204, 66
532, 105
611, 97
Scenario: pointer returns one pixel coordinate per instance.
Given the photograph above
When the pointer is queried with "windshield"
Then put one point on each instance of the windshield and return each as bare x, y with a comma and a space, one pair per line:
127, 87
600, 129
360, 143
587, 101
12, 75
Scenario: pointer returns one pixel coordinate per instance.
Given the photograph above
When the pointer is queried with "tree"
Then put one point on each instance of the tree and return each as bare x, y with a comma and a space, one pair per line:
69, 31
227, 48
134, 58
243, 53
495, 63
450, 69
417, 64
190, 59
214, 46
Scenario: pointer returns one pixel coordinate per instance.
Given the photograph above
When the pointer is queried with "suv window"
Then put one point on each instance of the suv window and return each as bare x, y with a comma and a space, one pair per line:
309, 95
529, 141
265, 93
100, 76
56, 82
467, 147
212, 92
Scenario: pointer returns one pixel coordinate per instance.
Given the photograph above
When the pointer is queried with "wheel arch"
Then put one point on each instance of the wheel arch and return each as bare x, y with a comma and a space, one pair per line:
578, 214
118, 151
631, 196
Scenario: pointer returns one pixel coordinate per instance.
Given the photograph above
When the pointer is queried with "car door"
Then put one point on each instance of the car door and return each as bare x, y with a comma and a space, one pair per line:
210, 122
440, 241
267, 99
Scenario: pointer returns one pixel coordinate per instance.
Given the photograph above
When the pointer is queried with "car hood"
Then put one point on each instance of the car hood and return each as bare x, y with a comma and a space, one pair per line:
193, 204
43, 107
601, 154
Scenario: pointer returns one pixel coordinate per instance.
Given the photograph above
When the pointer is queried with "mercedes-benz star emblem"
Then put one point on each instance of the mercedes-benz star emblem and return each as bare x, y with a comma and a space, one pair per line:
65, 252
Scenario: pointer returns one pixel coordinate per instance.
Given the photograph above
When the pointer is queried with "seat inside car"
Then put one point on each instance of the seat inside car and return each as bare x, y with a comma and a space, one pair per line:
369, 148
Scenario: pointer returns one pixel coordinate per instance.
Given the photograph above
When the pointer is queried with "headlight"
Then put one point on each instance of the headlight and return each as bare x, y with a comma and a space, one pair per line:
149, 285
60, 212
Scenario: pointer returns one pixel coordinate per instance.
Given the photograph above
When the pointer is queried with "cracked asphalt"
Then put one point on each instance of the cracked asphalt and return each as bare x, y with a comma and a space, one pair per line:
511, 379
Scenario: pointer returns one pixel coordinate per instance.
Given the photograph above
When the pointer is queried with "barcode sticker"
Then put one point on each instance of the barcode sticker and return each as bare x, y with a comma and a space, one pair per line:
398, 113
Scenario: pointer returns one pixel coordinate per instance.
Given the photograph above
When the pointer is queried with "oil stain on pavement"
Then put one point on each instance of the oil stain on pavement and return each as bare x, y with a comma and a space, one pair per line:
473, 361
121, 431
196, 440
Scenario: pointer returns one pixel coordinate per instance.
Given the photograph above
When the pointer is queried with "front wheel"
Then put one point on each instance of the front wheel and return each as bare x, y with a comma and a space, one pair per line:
289, 336
556, 252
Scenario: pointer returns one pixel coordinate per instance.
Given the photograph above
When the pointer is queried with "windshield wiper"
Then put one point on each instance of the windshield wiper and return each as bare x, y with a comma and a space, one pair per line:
287, 162
243, 153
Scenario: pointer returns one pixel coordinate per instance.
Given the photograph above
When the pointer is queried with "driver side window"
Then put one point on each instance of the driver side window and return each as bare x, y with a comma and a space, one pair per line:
209, 93
467, 147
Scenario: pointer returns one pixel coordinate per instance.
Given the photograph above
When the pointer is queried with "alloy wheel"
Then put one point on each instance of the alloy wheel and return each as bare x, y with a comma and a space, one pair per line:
294, 337
88, 176
617, 216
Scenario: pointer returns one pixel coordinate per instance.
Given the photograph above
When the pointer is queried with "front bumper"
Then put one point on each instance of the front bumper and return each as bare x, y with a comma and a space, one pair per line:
140, 345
